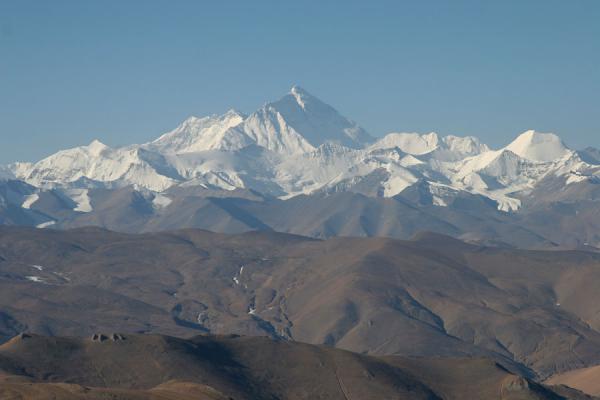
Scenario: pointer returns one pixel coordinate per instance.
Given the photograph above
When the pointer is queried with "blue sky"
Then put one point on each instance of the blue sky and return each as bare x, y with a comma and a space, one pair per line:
127, 71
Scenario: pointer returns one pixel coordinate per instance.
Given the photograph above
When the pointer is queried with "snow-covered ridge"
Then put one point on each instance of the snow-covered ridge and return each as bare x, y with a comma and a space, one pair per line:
300, 145
540, 147
94, 162
198, 134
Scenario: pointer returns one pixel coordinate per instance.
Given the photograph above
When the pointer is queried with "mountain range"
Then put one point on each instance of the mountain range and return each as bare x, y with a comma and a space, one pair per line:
297, 165
96, 240
458, 318
536, 312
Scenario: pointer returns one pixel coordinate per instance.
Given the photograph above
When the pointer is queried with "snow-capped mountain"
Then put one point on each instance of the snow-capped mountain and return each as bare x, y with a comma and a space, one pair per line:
95, 164
299, 145
539, 147
199, 134
295, 124
299, 122
448, 148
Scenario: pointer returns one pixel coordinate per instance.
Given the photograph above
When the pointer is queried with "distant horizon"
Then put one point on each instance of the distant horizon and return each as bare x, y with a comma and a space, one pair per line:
123, 74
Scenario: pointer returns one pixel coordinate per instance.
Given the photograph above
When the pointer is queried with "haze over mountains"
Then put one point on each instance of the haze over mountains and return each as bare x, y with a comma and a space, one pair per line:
297, 165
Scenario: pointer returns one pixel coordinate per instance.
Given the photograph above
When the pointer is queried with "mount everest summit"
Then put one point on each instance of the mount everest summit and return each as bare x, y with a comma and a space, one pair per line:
299, 158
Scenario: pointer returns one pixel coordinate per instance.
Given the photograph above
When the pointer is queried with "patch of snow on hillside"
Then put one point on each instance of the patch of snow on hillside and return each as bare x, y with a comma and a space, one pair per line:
45, 224
36, 279
29, 200
82, 198
438, 201
397, 183
506, 203
161, 201
575, 178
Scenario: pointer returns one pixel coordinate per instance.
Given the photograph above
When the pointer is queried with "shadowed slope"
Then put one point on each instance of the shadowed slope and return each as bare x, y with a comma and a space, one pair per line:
208, 367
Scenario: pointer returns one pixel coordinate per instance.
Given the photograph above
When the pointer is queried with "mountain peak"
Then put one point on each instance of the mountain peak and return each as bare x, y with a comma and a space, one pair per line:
96, 146
306, 118
299, 91
300, 95
232, 112
96, 143
537, 146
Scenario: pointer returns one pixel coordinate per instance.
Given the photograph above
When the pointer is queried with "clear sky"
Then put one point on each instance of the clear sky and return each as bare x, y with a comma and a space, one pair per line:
127, 71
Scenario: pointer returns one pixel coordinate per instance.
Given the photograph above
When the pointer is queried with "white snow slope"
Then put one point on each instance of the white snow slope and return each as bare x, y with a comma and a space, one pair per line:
300, 145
